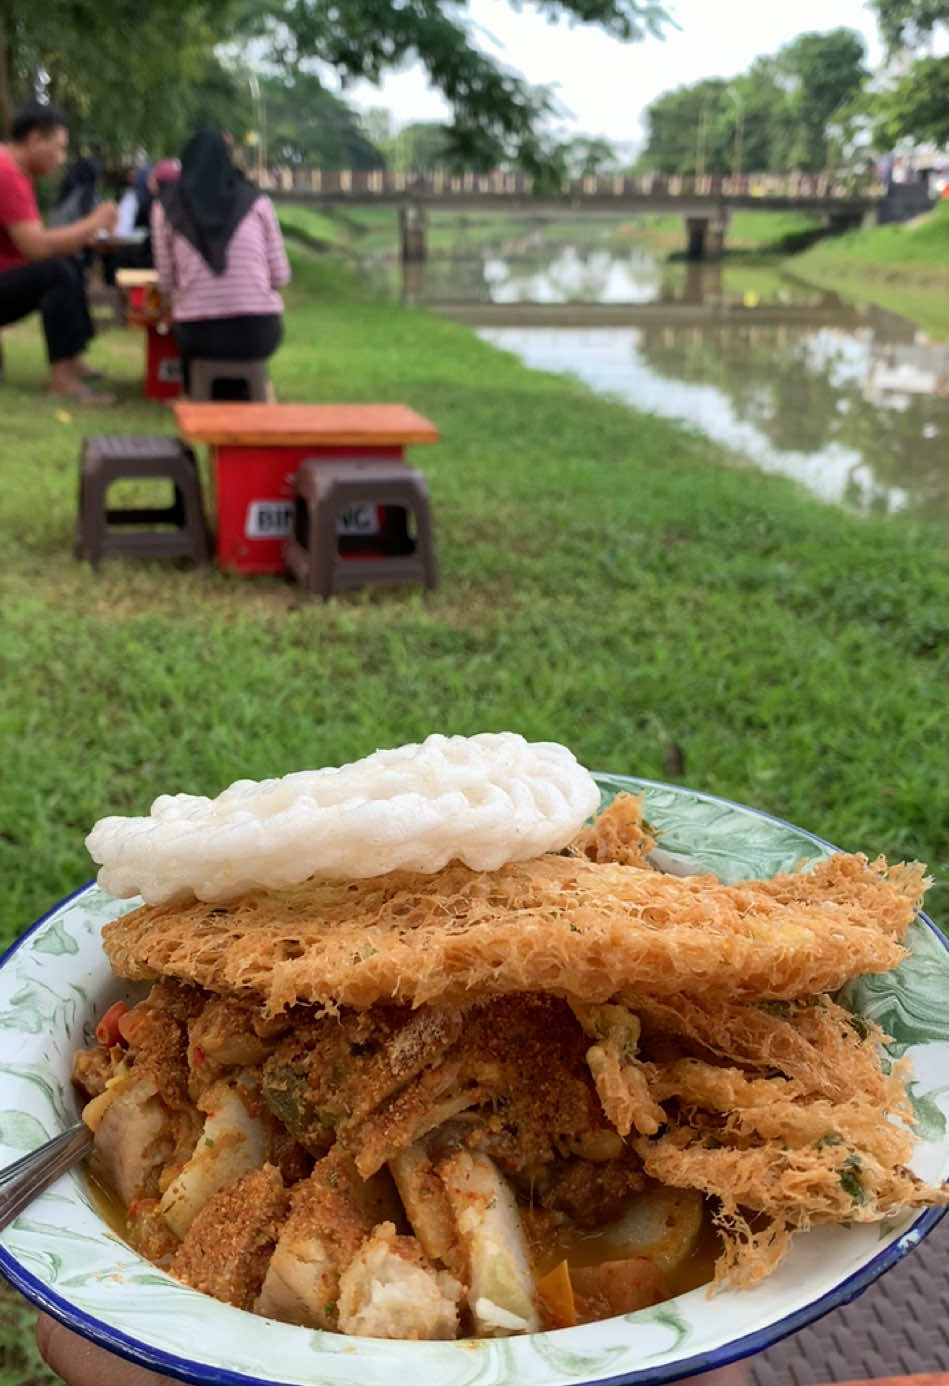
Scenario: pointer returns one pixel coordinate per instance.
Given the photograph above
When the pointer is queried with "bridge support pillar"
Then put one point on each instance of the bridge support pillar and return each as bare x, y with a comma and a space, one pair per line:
412, 226
705, 237
845, 221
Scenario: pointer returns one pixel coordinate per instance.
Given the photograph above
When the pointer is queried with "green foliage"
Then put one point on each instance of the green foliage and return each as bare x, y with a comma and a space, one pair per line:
128, 75
913, 105
307, 126
318, 230
496, 113
774, 117
423, 145
904, 268
689, 129
20, 1361
588, 155
916, 105
144, 76
909, 23
826, 72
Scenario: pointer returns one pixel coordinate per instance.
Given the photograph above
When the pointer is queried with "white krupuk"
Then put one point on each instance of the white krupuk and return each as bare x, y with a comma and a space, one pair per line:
483, 800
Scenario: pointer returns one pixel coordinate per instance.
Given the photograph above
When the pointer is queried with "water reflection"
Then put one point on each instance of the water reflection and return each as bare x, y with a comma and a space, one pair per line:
855, 405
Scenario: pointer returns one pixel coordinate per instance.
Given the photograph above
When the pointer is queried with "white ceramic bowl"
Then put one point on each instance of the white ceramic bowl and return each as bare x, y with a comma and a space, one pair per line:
56, 981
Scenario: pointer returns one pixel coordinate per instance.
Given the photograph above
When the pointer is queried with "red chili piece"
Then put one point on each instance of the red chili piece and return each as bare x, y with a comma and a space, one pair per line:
107, 1031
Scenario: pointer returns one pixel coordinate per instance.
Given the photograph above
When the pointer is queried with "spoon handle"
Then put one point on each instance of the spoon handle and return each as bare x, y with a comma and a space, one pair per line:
22, 1181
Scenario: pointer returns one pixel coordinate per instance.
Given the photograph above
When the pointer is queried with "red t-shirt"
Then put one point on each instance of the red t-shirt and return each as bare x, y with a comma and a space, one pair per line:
17, 203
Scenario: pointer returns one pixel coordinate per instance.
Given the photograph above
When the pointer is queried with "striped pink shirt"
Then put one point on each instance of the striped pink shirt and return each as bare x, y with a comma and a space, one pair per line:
256, 266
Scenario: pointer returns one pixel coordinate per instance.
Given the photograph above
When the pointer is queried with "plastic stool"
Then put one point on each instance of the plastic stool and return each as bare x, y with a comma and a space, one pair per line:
323, 491
107, 459
230, 380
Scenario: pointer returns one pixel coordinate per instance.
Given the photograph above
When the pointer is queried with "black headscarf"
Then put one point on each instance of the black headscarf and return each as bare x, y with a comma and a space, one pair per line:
210, 199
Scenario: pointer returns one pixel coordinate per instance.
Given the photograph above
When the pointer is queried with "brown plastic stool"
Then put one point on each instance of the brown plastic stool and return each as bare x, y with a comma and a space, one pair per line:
324, 489
228, 380
107, 459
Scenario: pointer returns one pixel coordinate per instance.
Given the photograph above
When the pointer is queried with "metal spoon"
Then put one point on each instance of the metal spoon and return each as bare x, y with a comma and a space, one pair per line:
27, 1177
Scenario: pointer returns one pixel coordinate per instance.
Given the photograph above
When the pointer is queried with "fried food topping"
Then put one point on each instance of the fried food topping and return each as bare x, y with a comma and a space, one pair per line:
482, 800
559, 924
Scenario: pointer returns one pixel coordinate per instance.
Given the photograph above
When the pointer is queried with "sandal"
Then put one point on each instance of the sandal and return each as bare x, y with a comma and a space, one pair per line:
82, 394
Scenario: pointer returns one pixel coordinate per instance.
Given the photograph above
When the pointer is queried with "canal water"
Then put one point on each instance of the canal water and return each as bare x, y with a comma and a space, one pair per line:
849, 400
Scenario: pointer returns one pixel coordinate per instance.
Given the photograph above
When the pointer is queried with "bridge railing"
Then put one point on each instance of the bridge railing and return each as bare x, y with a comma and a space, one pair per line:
444, 184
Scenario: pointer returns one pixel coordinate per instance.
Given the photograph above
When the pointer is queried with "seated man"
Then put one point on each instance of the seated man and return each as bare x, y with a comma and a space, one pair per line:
38, 270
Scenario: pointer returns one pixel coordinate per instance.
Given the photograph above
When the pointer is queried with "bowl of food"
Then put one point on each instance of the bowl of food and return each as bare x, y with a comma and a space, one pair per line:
460, 1063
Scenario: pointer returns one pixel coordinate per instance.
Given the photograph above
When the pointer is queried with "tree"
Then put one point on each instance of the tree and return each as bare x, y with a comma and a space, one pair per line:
306, 125
588, 155
761, 135
140, 71
909, 24
496, 113
423, 145
913, 105
127, 74
690, 129
776, 116
825, 72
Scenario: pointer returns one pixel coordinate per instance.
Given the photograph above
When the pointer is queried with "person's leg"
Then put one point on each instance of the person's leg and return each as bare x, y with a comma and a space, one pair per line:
54, 288
67, 323
21, 290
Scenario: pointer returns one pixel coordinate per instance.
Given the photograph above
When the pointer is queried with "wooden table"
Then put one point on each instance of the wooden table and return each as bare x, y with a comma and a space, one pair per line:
255, 451
136, 278
147, 307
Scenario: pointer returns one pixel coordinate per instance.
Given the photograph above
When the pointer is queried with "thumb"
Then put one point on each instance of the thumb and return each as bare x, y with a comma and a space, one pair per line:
81, 1363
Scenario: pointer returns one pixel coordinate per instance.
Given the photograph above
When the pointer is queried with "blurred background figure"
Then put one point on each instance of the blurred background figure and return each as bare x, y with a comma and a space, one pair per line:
39, 269
78, 191
134, 216
220, 257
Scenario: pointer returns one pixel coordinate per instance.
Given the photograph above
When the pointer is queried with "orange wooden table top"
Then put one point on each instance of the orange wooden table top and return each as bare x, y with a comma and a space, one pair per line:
296, 425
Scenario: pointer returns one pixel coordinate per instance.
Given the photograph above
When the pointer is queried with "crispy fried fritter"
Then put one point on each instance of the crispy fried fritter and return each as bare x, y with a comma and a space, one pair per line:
556, 924
814, 1040
618, 834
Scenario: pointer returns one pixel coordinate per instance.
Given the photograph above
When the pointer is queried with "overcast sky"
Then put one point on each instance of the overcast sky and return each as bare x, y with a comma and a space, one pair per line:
605, 85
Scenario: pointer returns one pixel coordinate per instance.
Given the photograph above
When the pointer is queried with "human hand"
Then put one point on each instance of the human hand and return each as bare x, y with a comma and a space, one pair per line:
81, 1363
103, 217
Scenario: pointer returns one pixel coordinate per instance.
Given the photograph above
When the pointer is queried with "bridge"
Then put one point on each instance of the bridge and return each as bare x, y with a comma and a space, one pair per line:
704, 201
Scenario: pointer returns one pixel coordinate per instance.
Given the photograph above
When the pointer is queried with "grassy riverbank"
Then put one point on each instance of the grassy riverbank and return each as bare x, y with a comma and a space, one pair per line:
368, 231
903, 268
606, 582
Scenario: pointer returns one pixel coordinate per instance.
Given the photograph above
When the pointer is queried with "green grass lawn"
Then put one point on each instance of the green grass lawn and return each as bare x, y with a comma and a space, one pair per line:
904, 268
313, 228
606, 582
